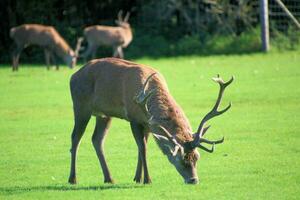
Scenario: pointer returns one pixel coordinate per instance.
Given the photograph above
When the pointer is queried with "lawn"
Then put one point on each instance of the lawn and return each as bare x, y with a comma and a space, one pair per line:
260, 158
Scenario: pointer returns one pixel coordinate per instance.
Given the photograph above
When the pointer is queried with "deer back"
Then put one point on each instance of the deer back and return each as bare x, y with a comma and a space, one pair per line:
110, 85
107, 35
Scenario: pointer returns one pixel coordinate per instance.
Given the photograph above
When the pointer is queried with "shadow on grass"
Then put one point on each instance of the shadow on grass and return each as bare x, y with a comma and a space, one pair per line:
18, 190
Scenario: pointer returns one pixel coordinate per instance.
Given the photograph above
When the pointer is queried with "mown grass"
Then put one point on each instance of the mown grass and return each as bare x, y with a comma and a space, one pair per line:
259, 159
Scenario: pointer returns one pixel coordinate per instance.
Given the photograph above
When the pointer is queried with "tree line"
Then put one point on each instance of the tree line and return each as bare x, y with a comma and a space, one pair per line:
161, 27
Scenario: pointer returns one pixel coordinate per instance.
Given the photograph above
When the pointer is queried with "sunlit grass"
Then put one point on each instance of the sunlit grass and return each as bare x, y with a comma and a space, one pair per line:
259, 159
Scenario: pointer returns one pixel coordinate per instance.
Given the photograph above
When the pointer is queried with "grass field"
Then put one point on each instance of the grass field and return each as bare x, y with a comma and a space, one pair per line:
260, 158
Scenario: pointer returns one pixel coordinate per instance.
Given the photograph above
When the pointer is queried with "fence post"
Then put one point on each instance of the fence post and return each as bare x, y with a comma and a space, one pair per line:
264, 21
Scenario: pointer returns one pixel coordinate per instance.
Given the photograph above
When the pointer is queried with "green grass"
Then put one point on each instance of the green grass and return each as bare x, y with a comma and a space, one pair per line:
260, 158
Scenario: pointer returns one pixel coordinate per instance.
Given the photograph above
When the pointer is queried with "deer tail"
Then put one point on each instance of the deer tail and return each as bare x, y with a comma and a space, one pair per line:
12, 32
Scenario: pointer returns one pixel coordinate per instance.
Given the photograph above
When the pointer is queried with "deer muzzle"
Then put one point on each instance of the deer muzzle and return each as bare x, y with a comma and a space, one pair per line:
193, 180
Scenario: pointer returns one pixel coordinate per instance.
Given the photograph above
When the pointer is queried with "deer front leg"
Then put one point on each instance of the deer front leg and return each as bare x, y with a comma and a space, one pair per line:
141, 137
92, 49
81, 121
53, 57
139, 170
139, 167
101, 129
118, 52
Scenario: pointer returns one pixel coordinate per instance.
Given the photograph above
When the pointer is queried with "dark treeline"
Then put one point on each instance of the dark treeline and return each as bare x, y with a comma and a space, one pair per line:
161, 27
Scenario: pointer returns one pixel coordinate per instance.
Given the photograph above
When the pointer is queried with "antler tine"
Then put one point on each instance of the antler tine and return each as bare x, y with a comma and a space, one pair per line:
205, 129
120, 15
127, 17
214, 112
78, 45
211, 142
142, 97
173, 140
206, 149
219, 80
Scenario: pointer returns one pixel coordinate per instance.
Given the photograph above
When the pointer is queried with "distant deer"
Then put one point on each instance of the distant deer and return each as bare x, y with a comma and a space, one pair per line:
113, 87
116, 37
46, 37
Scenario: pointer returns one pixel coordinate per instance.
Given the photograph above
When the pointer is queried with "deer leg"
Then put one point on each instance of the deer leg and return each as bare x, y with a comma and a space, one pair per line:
141, 140
14, 62
53, 58
139, 167
120, 52
115, 54
91, 50
81, 121
101, 129
47, 58
16, 56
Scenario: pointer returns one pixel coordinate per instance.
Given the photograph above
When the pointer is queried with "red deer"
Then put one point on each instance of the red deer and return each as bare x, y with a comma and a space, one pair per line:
116, 37
46, 37
112, 87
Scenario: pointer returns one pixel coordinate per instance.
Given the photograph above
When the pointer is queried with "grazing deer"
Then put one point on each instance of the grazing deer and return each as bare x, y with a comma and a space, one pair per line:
46, 37
112, 87
116, 37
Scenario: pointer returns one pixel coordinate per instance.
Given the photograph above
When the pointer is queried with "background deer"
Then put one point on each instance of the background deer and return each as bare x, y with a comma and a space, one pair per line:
46, 37
113, 87
116, 37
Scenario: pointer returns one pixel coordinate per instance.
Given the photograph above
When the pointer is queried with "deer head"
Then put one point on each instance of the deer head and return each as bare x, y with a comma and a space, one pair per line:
182, 154
72, 56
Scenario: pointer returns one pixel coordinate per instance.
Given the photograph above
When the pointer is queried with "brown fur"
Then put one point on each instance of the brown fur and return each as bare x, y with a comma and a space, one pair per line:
43, 36
116, 37
106, 87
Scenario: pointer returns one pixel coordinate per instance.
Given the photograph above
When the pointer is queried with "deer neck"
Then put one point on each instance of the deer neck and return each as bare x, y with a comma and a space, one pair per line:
169, 114
127, 36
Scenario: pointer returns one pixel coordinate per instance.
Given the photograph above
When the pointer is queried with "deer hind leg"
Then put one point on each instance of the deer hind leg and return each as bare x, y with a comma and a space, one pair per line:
47, 58
16, 56
101, 129
81, 121
141, 137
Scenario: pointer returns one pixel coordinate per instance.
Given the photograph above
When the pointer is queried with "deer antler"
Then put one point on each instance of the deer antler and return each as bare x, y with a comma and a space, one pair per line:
120, 15
213, 113
78, 45
142, 99
127, 17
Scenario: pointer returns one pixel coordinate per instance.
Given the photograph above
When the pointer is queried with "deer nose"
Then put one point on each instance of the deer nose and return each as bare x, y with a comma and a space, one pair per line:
192, 181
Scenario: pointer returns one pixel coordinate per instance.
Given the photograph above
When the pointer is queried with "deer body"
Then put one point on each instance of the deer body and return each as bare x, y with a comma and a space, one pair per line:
117, 37
112, 87
44, 36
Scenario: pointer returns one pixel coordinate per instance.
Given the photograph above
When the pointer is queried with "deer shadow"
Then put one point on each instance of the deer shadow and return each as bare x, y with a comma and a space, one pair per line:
19, 189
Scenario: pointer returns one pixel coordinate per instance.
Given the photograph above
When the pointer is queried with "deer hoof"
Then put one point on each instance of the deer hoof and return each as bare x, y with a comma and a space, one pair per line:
72, 181
147, 181
111, 181
137, 179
